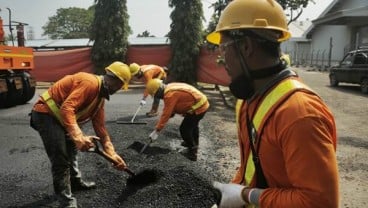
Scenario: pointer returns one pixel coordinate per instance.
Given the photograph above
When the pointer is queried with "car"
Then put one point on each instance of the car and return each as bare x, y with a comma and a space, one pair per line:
352, 69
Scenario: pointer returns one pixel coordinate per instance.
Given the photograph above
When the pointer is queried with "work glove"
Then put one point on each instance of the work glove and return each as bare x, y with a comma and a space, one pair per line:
110, 150
107, 146
231, 194
121, 165
153, 136
142, 102
82, 142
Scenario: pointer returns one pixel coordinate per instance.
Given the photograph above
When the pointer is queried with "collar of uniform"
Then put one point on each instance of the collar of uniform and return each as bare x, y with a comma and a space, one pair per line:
104, 90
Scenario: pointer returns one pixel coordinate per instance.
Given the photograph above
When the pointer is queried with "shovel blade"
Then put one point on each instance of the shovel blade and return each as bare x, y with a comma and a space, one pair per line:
145, 147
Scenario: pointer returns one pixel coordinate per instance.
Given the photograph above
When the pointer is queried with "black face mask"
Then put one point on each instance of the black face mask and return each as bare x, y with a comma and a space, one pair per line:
242, 87
160, 93
104, 91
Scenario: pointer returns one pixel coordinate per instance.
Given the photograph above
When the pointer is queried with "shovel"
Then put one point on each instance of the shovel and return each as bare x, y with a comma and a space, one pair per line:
99, 150
143, 178
132, 120
145, 146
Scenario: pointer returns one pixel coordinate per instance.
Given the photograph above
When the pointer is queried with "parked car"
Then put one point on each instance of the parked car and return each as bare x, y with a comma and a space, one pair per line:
352, 69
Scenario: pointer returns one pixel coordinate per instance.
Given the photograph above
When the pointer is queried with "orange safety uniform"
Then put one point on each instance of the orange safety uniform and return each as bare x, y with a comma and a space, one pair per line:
152, 71
74, 93
181, 98
297, 152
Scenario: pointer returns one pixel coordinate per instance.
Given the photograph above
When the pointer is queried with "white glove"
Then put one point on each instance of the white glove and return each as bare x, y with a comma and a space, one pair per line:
231, 194
153, 136
142, 102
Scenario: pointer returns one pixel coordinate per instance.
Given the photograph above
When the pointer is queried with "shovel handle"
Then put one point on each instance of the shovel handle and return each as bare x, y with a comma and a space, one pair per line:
135, 114
100, 151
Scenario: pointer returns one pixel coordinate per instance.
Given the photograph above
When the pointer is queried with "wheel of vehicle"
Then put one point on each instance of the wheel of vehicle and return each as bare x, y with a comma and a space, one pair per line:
3, 92
15, 91
364, 85
333, 81
29, 87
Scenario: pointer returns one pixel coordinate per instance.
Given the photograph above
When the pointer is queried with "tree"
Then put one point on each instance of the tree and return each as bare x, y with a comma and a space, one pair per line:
145, 34
217, 7
185, 39
292, 7
69, 23
110, 31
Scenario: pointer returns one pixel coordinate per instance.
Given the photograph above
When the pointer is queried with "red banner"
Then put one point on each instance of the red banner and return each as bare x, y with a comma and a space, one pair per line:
50, 66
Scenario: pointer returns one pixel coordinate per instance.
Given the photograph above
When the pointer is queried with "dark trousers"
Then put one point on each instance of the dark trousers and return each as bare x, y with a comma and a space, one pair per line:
62, 153
189, 129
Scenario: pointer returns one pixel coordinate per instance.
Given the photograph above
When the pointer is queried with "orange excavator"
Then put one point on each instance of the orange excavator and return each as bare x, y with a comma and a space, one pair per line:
17, 86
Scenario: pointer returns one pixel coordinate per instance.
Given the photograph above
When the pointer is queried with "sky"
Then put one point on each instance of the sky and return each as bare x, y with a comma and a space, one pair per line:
150, 15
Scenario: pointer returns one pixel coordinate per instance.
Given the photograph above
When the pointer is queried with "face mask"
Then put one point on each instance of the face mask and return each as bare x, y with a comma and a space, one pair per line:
241, 87
160, 93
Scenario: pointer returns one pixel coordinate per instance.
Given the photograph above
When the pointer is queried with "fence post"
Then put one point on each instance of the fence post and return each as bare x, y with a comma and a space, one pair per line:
311, 61
330, 53
317, 55
323, 59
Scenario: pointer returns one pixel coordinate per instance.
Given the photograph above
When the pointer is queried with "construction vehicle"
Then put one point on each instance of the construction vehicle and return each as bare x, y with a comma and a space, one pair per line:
17, 86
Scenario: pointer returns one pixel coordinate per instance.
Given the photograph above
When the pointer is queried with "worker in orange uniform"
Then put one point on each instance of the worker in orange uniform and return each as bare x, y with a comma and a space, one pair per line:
184, 99
287, 134
148, 72
57, 115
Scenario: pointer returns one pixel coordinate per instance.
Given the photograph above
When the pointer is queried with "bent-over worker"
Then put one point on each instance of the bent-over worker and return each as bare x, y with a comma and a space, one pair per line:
183, 99
287, 134
57, 115
148, 72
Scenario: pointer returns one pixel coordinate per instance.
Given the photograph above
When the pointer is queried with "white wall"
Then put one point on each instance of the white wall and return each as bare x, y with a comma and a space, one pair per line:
340, 40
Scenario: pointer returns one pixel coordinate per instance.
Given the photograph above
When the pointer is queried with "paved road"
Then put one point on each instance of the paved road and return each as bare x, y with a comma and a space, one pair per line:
24, 165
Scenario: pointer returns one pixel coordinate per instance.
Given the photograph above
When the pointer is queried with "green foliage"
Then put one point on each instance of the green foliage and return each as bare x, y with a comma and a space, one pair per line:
217, 8
110, 31
69, 23
291, 7
293, 4
185, 37
145, 34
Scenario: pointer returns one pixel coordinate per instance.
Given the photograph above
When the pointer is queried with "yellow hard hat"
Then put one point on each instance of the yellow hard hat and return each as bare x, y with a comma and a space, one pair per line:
134, 68
153, 85
251, 14
286, 58
121, 71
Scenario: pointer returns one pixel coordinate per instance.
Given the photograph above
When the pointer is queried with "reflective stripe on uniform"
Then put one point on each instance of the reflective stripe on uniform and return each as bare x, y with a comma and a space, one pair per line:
273, 97
52, 105
199, 104
55, 108
198, 95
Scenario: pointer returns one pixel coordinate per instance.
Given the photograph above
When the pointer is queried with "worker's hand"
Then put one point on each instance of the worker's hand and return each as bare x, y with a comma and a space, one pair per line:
153, 136
231, 194
121, 165
142, 102
107, 146
84, 143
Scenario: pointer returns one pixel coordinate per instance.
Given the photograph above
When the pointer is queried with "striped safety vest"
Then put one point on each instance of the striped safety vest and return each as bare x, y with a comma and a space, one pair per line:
201, 99
149, 67
55, 108
274, 98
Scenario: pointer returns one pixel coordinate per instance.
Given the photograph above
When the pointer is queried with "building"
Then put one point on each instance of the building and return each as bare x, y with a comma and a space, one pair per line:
342, 27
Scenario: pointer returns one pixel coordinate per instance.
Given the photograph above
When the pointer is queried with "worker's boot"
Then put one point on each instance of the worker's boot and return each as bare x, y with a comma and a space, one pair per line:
153, 111
78, 184
190, 153
184, 144
63, 192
